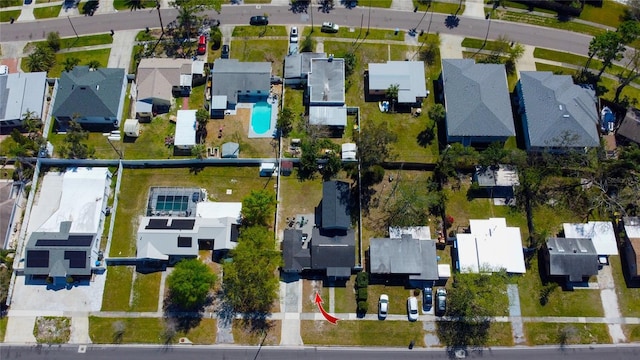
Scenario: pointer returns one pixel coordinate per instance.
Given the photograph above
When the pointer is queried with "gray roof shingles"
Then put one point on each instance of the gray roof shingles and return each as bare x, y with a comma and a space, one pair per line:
573, 258
335, 205
230, 76
477, 99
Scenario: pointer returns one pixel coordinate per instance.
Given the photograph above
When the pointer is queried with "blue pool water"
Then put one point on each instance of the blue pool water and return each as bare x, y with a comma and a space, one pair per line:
261, 117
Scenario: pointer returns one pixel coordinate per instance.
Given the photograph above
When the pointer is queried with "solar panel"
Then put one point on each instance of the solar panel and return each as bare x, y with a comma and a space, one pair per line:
38, 258
77, 259
182, 224
72, 240
157, 224
184, 242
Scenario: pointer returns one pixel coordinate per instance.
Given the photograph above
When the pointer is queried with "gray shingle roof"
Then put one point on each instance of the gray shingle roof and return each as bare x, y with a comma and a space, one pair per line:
558, 112
230, 76
630, 126
95, 93
334, 252
295, 257
335, 205
405, 256
573, 258
409, 75
476, 99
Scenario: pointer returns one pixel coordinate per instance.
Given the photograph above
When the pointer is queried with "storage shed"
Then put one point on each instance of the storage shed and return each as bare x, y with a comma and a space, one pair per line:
267, 169
132, 128
230, 150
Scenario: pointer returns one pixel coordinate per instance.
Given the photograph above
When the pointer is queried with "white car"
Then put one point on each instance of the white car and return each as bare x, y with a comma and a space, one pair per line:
293, 35
412, 308
383, 306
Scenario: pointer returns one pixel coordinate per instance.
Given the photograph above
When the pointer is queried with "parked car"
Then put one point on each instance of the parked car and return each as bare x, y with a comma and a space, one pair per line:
412, 308
225, 52
293, 36
441, 301
427, 298
329, 27
259, 20
383, 306
202, 45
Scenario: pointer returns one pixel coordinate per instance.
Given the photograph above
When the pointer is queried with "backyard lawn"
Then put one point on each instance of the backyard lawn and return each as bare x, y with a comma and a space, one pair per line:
566, 334
362, 333
628, 292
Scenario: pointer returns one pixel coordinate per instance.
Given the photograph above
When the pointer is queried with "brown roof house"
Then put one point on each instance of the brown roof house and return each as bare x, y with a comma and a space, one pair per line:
630, 127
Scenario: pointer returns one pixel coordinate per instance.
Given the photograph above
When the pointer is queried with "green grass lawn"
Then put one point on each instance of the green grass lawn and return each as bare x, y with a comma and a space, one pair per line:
117, 288
441, 7
356, 33
8, 3
632, 332
260, 31
546, 21
122, 4
610, 13
202, 334
628, 297
136, 330
500, 334
72, 42
560, 303
135, 189
85, 57
244, 334
47, 12
146, 289
397, 298
566, 334
362, 333
3, 327
6, 16
474, 43
272, 51
345, 298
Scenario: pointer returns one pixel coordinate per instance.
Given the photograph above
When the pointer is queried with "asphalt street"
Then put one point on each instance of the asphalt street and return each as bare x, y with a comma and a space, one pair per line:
96, 352
358, 17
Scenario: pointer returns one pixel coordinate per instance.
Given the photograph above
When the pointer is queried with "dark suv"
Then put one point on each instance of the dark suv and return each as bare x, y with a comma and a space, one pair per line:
225, 52
259, 20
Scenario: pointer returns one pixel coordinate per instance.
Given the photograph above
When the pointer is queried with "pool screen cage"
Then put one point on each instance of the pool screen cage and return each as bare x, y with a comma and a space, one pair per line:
174, 201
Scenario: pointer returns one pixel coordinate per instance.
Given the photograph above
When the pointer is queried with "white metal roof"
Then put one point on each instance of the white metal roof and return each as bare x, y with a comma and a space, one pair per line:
416, 232
600, 232
489, 247
185, 128
210, 209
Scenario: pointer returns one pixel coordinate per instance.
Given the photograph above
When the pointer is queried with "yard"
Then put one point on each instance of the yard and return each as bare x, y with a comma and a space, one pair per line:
362, 333
146, 289
100, 55
298, 197
255, 50
150, 331
47, 12
566, 334
244, 335
117, 288
628, 291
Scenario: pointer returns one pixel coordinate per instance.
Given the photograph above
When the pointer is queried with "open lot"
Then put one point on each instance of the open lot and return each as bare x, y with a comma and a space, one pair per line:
566, 334
362, 333
243, 334
150, 331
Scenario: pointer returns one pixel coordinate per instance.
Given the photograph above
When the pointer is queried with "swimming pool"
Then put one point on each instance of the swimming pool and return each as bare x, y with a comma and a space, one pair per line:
261, 117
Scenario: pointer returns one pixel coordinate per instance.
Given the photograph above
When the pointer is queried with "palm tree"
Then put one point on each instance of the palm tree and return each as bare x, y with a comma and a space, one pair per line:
94, 64
135, 4
41, 59
392, 94
70, 62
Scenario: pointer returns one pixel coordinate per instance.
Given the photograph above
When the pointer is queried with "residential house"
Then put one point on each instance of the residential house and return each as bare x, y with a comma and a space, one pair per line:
297, 67
240, 81
632, 245
325, 94
629, 128
186, 124
601, 233
556, 113
166, 238
158, 81
92, 97
64, 226
408, 75
21, 93
331, 248
570, 259
477, 103
412, 259
490, 246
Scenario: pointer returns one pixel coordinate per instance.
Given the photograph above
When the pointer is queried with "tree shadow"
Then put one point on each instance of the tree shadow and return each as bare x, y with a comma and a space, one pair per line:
426, 136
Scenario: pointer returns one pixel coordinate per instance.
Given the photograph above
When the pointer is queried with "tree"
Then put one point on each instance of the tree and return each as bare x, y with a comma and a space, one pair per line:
6, 268
285, 121
632, 11
190, 283
332, 166
471, 303
41, 59
258, 207
70, 62
350, 62
392, 95
53, 41
199, 151
493, 155
187, 13
607, 46
202, 117
374, 144
629, 31
629, 73
94, 64
437, 113
248, 280
135, 4
72, 147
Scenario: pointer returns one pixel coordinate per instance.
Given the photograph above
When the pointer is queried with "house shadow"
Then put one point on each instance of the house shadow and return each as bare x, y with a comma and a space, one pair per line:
288, 277
629, 282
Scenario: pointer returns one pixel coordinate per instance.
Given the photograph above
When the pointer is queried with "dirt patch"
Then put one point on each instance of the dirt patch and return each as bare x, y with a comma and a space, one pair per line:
235, 128
52, 330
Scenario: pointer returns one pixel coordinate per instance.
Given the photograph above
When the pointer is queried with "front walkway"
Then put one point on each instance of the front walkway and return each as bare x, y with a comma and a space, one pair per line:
120, 56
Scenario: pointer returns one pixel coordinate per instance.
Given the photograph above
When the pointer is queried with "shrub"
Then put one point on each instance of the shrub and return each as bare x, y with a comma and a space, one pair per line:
216, 38
362, 294
362, 280
53, 40
363, 306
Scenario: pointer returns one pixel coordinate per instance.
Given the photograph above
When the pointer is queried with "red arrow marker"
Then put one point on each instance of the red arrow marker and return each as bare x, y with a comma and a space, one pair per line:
330, 318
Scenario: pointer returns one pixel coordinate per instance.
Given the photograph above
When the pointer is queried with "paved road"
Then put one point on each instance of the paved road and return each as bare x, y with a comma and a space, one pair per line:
618, 352
380, 18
